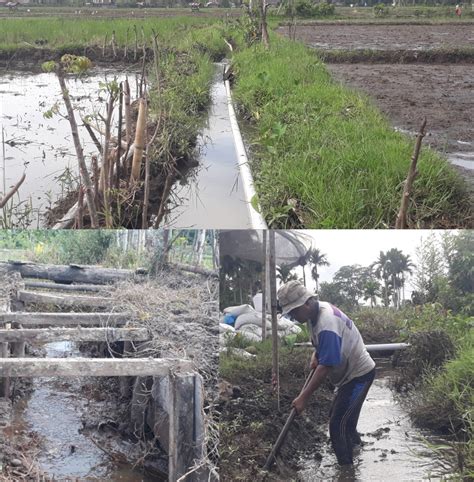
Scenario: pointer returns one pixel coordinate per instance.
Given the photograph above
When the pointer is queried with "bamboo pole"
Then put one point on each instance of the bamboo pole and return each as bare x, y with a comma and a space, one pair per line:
12, 191
264, 285
128, 112
140, 135
79, 152
401, 222
119, 138
273, 298
80, 208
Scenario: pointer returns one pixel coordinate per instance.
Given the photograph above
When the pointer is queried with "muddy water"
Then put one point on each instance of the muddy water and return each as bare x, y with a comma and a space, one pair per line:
53, 412
214, 189
41, 147
394, 449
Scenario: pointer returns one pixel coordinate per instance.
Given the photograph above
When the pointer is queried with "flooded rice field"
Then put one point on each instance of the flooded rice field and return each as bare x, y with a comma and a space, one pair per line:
385, 37
54, 413
393, 448
214, 188
42, 147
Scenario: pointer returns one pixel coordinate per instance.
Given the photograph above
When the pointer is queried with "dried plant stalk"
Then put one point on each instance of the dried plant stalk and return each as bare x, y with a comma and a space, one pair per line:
139, 142
128, 112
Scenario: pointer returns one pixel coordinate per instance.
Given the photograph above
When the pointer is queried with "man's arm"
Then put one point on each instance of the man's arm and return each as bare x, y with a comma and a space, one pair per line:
317, 379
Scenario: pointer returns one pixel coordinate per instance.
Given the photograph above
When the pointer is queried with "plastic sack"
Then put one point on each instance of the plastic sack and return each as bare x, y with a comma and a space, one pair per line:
238, 310
248, 319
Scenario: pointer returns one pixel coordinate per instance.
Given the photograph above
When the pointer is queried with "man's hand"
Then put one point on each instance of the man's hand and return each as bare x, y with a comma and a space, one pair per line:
314, 362
299, 403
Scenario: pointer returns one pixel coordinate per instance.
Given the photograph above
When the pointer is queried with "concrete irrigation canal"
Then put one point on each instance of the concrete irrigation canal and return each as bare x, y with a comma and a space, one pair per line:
215, 188
55, 410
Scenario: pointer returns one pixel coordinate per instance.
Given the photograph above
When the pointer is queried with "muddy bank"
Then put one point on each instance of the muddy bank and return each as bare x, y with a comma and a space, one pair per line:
385, 37
250, 422
26, 57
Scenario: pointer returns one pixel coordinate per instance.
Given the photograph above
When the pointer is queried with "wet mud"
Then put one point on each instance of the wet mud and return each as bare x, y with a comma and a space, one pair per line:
66, 446
385, 37
393, 449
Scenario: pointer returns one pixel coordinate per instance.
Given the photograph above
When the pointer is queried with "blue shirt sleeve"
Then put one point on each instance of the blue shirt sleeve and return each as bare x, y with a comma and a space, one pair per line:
329, 349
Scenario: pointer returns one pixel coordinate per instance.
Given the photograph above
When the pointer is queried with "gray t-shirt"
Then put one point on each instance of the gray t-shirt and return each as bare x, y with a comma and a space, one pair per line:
339, 345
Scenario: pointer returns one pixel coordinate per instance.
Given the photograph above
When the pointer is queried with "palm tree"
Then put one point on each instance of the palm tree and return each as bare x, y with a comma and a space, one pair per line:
381, 269
285, 274
316, 258
406, 266
397, 265
371, 291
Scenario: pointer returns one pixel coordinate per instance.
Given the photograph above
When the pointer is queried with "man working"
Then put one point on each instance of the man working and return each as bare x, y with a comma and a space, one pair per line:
340, 354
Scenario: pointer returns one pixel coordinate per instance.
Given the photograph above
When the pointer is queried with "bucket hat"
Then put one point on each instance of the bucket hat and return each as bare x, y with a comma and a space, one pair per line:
291, 295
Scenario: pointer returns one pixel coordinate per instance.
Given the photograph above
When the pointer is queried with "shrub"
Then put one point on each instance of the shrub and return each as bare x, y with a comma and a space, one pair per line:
381, 10
307, 9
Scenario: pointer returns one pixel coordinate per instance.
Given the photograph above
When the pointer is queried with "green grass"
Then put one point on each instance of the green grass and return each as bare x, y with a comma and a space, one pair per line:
330, 149
63, 32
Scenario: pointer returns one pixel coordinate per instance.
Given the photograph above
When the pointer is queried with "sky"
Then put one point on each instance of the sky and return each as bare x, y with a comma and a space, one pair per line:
346, 247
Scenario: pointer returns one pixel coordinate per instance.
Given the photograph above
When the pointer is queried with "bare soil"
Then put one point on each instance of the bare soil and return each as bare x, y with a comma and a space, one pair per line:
386, 37
406, 93
250, 422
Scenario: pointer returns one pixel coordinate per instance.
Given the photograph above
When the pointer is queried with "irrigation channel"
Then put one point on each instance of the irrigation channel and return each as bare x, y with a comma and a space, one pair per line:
393, 448
42, 147
215, 188
64, 413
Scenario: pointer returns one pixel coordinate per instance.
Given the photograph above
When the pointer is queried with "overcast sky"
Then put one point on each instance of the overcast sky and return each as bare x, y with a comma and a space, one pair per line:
346, 247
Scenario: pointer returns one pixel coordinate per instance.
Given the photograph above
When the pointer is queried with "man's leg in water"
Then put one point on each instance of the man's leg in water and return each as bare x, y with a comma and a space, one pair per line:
345, 415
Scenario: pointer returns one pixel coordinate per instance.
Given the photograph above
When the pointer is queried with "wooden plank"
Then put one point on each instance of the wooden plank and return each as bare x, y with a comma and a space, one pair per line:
50, 335
65, 319
93, 367
194, 269
72, 273
183, 426
63, 287
34, 297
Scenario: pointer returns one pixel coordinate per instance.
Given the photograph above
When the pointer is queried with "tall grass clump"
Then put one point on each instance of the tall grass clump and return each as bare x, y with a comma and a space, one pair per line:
445, 403
323, 156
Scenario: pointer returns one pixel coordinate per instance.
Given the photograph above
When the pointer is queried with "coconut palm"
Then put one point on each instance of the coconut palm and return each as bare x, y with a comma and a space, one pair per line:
316, 258
372, 291
382, 269
397, 265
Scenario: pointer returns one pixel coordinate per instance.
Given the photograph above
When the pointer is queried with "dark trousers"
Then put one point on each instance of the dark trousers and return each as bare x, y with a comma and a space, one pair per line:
344, 416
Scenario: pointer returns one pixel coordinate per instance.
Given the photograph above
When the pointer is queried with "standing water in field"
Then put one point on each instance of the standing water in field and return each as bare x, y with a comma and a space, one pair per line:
54, 413
214, 190
41, 145
393, 448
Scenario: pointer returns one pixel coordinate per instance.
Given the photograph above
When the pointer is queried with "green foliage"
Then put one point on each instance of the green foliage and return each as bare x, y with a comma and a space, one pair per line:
77, 247
308, 9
